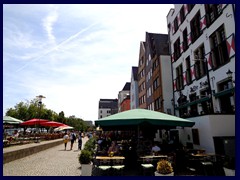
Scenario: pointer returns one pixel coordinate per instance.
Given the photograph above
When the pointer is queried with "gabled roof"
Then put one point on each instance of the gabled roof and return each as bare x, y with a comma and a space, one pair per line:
127, 86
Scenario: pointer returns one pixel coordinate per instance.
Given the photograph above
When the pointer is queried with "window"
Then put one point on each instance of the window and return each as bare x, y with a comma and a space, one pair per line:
175, 24
190, 7
182, 14
195, 27
188, 71
179, 77
157, 103
185, 39
156, 83
177, 49
213, 11
199, 66
218, 45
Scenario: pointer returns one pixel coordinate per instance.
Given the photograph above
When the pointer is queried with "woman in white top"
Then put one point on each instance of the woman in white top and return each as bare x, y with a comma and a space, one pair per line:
65, 140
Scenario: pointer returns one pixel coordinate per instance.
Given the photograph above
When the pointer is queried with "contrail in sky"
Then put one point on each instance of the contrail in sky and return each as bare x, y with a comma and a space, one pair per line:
56, 47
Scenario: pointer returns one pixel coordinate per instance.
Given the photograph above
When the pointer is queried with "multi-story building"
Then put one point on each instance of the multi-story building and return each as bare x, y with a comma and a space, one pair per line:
123, 94
107, 107
158, 73
134, 88
203, 51
141, 77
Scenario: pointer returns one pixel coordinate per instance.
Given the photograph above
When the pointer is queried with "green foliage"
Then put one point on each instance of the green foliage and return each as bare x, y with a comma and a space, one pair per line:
90, 145
85, 157
30, 109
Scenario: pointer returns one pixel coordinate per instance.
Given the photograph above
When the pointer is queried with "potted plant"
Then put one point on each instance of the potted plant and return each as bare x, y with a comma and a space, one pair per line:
85, 160
229, 166
164, 168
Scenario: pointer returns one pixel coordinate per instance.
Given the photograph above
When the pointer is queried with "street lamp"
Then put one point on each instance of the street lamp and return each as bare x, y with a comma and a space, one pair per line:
209, 89
40, 97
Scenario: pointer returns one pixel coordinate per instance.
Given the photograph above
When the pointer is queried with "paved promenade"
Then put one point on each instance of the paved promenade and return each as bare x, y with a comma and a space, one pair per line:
51, 162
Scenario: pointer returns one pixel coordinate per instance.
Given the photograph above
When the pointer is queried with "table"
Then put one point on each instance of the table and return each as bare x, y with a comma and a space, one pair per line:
153, 157
99, 158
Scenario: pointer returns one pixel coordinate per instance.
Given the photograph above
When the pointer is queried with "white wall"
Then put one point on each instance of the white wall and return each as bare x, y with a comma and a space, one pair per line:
209, 127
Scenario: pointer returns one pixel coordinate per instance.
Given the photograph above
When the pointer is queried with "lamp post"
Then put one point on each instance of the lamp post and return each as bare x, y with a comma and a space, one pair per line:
40, 97
209, 89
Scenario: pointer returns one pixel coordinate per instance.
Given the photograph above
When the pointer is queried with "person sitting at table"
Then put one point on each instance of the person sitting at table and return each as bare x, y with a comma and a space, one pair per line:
113, 148
156, 149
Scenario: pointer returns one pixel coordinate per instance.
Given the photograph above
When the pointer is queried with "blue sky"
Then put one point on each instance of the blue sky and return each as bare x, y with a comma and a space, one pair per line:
73, 54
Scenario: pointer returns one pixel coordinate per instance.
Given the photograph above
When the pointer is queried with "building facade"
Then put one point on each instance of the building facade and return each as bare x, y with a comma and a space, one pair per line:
141, 76
134, 88
107, 107
202, 38
123, 94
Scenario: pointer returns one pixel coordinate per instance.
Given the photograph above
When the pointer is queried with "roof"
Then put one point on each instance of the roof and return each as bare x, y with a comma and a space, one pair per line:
127, 86
108, 103
161, 43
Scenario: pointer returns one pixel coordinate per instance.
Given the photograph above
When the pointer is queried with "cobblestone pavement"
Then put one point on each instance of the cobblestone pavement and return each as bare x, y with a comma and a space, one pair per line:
51, 162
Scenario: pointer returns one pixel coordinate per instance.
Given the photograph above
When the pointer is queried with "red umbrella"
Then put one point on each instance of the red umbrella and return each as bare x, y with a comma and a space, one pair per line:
32, 122
52, 124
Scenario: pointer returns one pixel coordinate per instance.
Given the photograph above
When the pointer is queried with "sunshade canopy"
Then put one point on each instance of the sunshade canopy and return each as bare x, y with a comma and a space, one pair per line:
143, 116
32, 122
11, 120
64, 127
52, 124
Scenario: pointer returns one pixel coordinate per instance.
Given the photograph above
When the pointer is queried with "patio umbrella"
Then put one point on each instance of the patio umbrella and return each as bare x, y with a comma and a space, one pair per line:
61, 128
11, 120
137, 117
52, 124
33, 122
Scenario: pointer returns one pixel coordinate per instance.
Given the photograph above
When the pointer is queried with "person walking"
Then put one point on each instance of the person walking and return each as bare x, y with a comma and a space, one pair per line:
72, 139
65, 139
80, 141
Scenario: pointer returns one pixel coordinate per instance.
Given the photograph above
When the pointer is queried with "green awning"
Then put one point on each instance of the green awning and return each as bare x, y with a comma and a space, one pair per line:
143, 116
193, 102
222, 93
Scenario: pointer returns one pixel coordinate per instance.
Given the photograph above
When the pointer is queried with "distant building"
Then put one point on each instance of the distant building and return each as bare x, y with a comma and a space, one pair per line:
107, 107
125, 104
134, 88
123, 94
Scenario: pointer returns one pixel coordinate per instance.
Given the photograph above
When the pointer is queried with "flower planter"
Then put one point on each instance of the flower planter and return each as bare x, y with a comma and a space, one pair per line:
229, 172
86, 169
158, 174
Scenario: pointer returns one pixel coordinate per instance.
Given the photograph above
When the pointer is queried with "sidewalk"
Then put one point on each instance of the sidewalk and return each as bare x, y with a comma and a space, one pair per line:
54, 161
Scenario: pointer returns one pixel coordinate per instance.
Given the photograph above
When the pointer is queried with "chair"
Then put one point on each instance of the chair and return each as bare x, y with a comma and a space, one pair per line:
147, 166
118, 166
104, 166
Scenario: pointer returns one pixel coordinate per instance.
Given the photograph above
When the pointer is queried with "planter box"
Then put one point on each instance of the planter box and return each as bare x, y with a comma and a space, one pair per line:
229, 172
158, 174
86, 169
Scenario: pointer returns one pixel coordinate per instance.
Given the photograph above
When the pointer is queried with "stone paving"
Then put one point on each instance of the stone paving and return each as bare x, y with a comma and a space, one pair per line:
51, 162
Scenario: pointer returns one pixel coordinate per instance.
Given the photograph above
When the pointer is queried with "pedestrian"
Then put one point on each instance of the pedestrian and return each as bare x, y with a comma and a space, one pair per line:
72, 139
80, 141
65, 140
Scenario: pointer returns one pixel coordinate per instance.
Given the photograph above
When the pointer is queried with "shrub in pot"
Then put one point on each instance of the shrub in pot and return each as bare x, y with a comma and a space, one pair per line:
164, 167
85, 160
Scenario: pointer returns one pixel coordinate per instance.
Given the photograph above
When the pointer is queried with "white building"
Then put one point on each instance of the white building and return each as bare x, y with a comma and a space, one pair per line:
202, 47
107, 107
